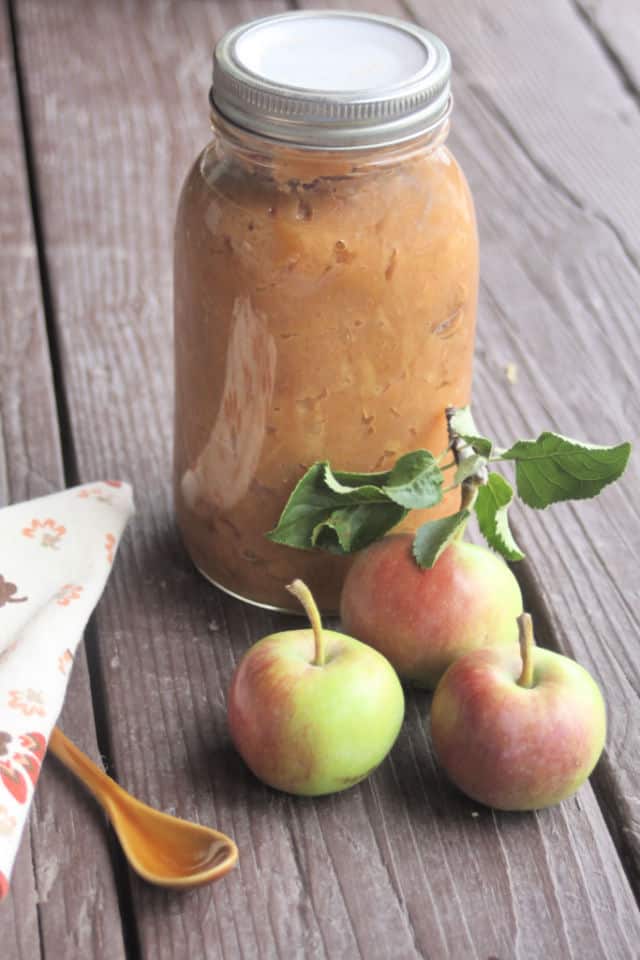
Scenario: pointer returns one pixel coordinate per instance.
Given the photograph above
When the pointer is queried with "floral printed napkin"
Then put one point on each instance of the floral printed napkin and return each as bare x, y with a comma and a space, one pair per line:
55, 557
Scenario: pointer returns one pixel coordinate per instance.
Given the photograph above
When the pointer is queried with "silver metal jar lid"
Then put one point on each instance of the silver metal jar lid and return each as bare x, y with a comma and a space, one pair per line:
333, 80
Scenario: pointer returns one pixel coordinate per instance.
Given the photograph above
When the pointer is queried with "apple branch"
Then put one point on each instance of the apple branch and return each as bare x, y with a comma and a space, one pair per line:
302, 593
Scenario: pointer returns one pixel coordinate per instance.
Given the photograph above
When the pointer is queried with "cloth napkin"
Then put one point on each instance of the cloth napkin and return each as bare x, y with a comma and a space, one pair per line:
56, 554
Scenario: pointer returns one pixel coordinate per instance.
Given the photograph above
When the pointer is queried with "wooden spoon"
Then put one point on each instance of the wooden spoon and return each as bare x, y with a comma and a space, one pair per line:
165, 850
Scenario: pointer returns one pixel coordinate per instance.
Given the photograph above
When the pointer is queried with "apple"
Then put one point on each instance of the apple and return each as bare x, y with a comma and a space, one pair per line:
423, 620
313, 711
518, 730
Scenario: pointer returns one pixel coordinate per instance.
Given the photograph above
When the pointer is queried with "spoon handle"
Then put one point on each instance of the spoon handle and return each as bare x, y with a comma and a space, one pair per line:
85, 769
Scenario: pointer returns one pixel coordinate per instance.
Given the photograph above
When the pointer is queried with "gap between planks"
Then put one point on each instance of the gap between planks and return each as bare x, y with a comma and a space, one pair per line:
69, 464
71, 478
609, 51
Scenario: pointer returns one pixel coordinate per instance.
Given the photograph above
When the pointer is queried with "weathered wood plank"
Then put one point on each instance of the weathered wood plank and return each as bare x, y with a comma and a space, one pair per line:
506, 162
557, 178
20, 912
616, 28
62, 889
399, 866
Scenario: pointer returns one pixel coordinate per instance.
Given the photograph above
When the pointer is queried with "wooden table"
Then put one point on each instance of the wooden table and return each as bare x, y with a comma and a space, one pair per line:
103, 107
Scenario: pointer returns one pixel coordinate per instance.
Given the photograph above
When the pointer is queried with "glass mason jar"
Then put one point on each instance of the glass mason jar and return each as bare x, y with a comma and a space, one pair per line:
326, 272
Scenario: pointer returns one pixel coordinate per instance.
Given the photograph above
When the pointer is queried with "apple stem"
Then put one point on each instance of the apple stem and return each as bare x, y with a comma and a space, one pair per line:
468, 494
527, 643
301, 591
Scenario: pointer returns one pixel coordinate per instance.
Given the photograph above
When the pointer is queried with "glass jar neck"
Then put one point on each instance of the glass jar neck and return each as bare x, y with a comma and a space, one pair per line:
285, 162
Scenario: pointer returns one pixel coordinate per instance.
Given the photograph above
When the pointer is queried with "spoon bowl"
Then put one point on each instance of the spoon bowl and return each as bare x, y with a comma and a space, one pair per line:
164, 850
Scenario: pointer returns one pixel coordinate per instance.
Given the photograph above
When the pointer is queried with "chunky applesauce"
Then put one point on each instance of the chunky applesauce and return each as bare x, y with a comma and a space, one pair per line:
325, 308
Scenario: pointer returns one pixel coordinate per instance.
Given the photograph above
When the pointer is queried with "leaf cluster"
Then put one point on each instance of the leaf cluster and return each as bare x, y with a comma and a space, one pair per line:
344, 512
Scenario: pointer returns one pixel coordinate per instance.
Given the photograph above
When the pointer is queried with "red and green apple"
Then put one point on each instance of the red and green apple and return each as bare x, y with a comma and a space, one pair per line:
422, 620
518, 729
313, 711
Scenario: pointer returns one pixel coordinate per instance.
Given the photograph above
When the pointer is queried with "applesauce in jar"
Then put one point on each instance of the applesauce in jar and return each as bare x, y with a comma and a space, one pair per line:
326, 272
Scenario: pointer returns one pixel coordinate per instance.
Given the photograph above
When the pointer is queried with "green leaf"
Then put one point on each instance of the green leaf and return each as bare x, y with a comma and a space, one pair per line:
554, 468
415, 481
356, 487
328, 535
491, 506
310, 503
462, 424
433, 537
468, 467
325, 511
354, 527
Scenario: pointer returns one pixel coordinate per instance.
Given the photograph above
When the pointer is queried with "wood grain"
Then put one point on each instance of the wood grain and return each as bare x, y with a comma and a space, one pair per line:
63, 897
561, 283
615, 25
556, 179
400, 866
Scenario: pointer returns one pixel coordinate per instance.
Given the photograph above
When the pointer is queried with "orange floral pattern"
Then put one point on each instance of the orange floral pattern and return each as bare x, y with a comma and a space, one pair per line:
67, 594
96, 493
59, 551
47, 532
64, 662
29, 702
7, 822
34, 742
100, 493
87, 492
13, 781
110, 546
13, 767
